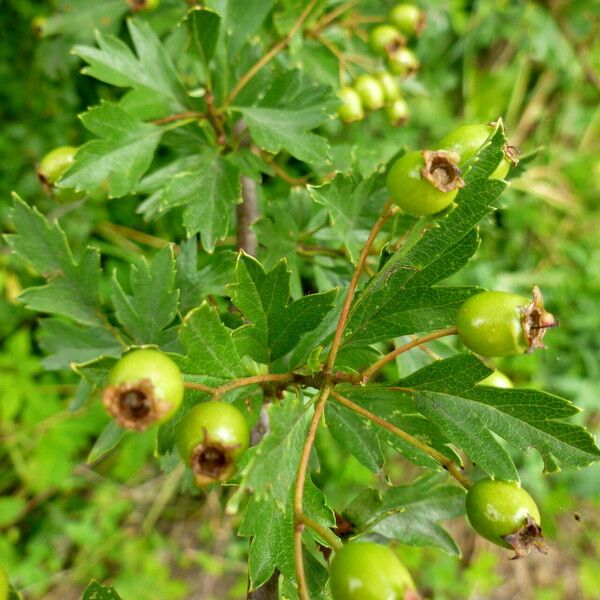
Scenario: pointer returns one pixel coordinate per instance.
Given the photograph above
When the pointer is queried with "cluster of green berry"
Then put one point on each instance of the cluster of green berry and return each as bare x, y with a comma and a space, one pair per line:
372, 92
146, 388
426, 182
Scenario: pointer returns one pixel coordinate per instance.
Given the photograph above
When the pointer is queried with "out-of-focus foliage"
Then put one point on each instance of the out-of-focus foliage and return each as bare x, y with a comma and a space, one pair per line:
63, 521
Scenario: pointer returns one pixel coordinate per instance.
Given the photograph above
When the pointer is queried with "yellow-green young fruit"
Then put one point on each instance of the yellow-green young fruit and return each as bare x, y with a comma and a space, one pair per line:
37, 26
55, 164
351, 108
398, 112
210, 438
385, 39
424, 183
369, 571
144, 388
403, 62
4, 587
408, 18
497, 379
468, 140
503, 324
389, 85
370, 91
145, 5
504, 513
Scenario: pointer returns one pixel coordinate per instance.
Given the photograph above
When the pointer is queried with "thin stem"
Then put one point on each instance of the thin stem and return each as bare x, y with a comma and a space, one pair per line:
137, 236
327, 19
281, 173
299, 492
324, 532
384, 360
246, 214
192, 114
448, 464
190, 385
280, 45
251, 381
237, 383
335, 345
215, 118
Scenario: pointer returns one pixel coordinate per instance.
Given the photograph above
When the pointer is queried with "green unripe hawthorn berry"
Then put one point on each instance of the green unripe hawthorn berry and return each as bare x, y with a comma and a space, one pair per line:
370, 91
55, 164
403, 62
144, 5
424, 183
351, 108
504, 513
497, 379
368, 571
408, 19
144, 388
467, 141
398, 112
37, 25
385, 39
503, 324
210, 438
389, 85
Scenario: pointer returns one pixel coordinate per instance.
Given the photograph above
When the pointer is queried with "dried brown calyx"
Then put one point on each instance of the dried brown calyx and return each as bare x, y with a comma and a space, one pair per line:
529, 536
138, 5
535, 320
421, 23
134, 405
212, 462
512, 153
398, 42
44, 182
441, 169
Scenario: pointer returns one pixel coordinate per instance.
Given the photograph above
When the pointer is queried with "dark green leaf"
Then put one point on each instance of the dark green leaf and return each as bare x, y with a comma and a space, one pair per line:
111, 435
203, 25
208, 346
280, 449
410, 513
72, 288
272, 532
277, 325
196, 284
470, 414
119, 158
95, 591
243, 20
152, 69
208, 193
284, 117
345, 200
152, 305
356, 435
411, 310
66, 343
